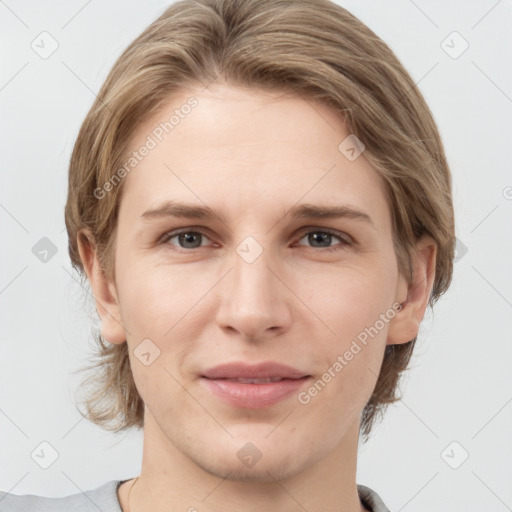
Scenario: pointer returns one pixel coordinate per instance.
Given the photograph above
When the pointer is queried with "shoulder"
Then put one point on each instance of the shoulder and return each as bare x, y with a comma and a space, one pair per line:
103, 498
370, 499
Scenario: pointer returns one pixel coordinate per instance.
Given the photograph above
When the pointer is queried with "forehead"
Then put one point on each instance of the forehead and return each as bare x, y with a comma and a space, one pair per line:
249, 152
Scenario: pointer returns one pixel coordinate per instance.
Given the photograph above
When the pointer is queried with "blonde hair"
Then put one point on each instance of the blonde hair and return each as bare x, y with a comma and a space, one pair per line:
313, 48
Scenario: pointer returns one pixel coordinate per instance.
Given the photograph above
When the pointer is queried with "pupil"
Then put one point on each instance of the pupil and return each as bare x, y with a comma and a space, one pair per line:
185, 237
324, 236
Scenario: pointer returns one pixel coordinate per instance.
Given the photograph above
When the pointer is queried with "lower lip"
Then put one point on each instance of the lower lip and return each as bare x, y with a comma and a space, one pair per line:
254, 396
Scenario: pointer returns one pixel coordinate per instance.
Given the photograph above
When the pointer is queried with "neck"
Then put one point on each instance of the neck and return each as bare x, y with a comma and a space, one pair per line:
170, 478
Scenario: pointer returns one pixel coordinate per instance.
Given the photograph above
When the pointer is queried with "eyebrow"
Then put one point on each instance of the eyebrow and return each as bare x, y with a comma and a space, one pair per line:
302, 211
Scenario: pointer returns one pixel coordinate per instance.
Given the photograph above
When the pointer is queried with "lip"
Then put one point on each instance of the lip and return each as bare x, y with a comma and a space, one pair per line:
253, 371
251, 395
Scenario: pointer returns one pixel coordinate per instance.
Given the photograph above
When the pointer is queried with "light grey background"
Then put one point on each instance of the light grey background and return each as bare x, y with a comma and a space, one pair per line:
459, 386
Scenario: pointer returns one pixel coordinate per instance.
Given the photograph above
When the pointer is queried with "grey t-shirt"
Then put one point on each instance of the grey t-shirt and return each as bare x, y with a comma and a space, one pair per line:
104, 499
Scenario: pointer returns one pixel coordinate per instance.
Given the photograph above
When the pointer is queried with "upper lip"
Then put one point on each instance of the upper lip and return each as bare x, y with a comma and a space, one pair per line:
253, 371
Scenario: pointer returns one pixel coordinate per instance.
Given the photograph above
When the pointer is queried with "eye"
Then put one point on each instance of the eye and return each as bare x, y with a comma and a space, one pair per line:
190, 239
325, 238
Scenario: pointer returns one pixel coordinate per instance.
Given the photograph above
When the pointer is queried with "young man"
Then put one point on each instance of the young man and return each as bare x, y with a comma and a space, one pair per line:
260, 201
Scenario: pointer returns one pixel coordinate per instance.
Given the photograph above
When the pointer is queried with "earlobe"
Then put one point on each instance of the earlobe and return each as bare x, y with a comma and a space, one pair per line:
404, 327
105, 297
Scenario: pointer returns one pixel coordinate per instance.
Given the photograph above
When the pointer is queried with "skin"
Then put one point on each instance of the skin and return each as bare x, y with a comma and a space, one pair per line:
252, 155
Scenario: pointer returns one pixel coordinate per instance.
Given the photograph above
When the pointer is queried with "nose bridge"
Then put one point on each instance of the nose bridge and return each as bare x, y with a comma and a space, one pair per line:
251, 275
253, 300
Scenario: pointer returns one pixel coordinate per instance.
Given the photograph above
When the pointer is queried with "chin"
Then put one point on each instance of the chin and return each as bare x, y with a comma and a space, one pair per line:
262, 471
255, 457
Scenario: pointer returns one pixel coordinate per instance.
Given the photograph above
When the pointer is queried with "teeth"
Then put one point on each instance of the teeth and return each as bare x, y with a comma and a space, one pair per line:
256, 381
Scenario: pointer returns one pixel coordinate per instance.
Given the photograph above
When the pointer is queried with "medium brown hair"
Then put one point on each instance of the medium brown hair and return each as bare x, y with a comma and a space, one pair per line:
313, 48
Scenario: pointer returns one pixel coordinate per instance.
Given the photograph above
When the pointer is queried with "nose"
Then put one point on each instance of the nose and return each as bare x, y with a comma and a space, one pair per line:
254, 301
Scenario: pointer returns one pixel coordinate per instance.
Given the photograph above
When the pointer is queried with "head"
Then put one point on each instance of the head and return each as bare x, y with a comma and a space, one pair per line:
252, 108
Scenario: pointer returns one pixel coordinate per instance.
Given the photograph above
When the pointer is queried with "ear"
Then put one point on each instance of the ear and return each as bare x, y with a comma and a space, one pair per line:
105, 295
414, 296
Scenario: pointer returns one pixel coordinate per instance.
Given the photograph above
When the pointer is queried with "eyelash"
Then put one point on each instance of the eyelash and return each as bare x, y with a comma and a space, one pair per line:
344, 243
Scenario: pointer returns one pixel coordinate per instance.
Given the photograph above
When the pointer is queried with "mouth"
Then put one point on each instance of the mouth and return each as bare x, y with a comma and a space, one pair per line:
266, 380
265, 370
253, 387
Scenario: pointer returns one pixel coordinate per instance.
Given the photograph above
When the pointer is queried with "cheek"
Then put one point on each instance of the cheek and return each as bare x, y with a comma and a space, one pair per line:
347, 300
352, 309
161, 304
154, 298
348, 372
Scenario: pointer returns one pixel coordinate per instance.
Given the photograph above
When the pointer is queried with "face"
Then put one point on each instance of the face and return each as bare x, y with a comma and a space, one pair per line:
255, 282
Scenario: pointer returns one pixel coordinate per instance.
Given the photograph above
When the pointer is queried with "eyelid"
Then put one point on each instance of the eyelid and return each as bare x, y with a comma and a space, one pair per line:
179, 231
341, 234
